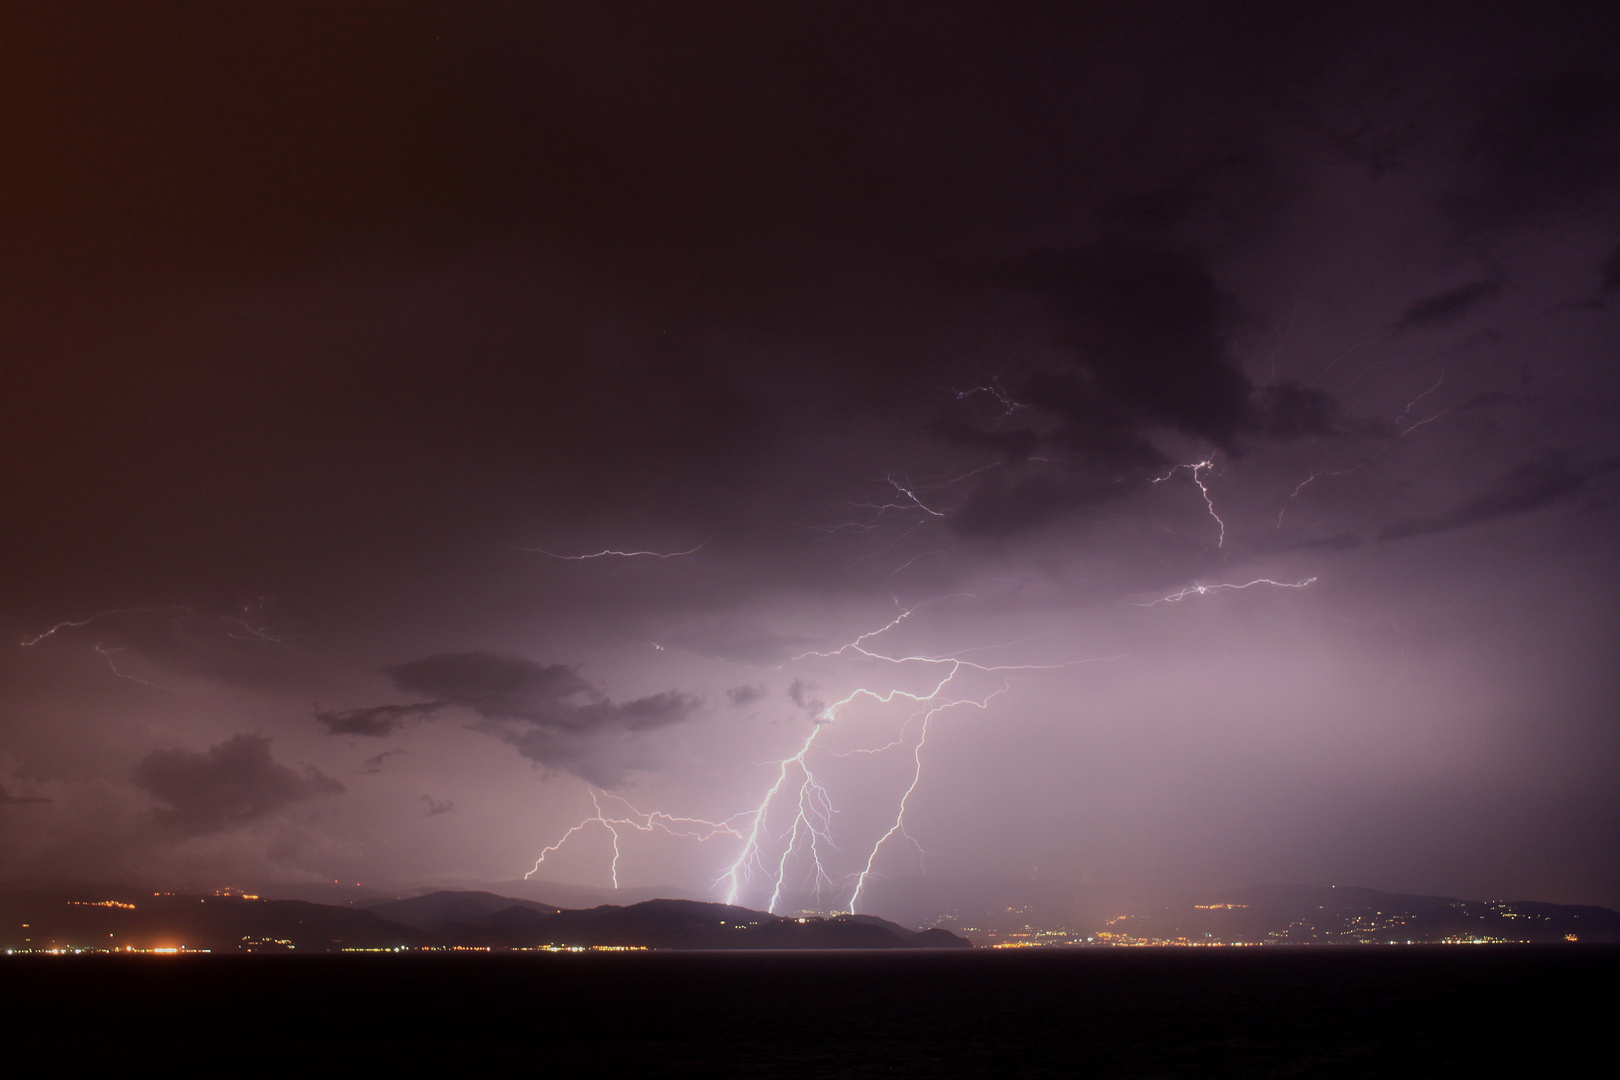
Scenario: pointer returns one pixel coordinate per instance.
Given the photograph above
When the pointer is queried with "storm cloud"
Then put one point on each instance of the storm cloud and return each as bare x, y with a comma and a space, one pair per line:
375, 721
596, 392
1528, 487
1151, 333
230, 783
548, 711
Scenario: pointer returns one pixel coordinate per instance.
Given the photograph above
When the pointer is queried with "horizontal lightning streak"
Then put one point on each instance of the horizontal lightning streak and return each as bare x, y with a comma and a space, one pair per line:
1204, 590
74, 624
611, 553
654, 821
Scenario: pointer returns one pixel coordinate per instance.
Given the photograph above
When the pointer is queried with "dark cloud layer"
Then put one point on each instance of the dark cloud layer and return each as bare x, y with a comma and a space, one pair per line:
1609, 271
231, 783
375, 720
1528, 487
548, 711
1151, 331
691, 343
1152, 338
1448, 306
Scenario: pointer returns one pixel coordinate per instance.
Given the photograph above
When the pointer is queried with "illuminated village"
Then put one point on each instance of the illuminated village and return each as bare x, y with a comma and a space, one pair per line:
233, 922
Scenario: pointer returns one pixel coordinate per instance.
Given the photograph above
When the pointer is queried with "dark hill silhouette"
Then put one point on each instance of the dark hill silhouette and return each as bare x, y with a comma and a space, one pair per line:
1342, 914
688, 924
217, 924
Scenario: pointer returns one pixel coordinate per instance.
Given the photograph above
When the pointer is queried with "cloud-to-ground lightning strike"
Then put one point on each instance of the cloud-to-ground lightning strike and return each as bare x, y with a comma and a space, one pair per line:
642, 821
799, 790
899, 825
1205, 590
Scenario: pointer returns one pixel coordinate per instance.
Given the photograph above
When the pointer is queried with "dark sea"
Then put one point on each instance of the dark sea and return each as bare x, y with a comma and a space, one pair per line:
1420, 1011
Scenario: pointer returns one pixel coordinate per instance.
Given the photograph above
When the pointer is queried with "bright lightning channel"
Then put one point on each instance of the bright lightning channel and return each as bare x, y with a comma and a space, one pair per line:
611, 553
655, 821
1205, 590
797, 785
1197, 469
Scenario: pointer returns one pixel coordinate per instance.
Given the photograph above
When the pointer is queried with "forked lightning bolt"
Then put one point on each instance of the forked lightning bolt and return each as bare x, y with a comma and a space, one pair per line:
798, 793
1198, 469
689, 828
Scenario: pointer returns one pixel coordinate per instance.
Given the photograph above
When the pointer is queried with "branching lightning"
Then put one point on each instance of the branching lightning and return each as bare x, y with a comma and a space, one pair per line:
1197, 470
996, 390
684, 827
793, 819
247, 620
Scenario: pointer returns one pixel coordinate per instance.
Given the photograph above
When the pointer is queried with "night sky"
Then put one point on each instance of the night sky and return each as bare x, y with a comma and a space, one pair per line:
337, 336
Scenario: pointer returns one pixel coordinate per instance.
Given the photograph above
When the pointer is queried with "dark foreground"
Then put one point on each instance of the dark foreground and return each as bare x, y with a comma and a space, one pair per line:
1307, 1012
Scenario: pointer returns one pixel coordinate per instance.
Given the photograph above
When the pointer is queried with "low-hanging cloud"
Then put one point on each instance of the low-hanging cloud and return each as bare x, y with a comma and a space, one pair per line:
548, 711
374, 764
230, 783
376, 721
739, 696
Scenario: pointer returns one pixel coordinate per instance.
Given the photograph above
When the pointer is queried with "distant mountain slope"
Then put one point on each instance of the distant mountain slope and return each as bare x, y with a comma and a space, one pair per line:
217, 924
688, 924
1054, 912
1348, 914
1269, 914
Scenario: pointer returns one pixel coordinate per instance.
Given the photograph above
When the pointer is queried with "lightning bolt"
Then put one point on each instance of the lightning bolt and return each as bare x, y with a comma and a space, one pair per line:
74, 624
107, 654
643, 821
734, 875
899, 825
1410, 405
791, 823
1420, 423
1205, 590
996, 390
1198, 469
607, 553
1307, 482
